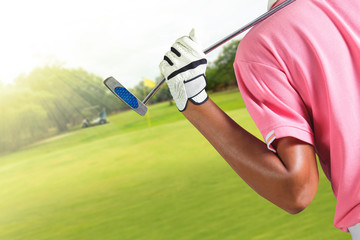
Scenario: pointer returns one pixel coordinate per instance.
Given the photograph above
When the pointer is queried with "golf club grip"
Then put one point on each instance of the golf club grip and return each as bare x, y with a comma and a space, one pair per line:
227, 38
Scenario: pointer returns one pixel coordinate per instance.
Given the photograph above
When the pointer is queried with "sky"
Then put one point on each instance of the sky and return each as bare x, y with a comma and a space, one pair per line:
123, 39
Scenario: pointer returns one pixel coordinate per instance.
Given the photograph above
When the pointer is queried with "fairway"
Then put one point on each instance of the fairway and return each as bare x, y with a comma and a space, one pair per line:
145, 178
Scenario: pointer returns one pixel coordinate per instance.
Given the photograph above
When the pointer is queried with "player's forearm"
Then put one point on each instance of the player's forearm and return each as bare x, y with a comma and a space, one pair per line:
286, 185
261, 169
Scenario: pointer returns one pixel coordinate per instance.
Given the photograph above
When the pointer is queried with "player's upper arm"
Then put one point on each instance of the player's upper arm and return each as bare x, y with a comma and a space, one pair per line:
299, 159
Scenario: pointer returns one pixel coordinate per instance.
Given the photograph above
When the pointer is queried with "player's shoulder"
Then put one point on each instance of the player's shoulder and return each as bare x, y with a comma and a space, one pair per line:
265, 37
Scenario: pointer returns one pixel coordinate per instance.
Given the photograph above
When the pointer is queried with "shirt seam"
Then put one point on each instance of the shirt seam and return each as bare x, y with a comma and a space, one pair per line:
269, 129
261, 64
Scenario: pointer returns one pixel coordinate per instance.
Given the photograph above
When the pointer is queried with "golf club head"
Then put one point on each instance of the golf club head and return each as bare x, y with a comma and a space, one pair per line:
127, 97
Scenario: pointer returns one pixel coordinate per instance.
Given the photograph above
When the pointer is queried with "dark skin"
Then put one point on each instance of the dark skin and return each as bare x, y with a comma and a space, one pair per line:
289, 179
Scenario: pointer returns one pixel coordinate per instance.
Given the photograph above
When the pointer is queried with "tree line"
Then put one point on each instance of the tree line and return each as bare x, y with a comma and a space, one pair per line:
52, 99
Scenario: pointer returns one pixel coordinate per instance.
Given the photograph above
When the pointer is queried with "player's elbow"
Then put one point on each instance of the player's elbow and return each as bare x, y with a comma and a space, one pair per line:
297, 204
296, 207
300, 196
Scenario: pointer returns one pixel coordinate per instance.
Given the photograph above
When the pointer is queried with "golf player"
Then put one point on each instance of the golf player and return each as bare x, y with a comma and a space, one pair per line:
299, 75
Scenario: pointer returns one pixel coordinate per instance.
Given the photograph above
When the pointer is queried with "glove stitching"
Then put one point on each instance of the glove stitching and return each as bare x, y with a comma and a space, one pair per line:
192, 65
186, 81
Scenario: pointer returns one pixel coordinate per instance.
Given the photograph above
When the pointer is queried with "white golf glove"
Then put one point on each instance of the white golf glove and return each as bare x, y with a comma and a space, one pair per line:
184, 70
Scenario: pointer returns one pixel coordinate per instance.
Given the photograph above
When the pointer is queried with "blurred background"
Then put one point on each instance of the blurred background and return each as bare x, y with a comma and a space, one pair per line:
55, 54
75, 163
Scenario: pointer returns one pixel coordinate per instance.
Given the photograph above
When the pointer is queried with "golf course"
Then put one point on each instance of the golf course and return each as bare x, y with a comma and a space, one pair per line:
152, 177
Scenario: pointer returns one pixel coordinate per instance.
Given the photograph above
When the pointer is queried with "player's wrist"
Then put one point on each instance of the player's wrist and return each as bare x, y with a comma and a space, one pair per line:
196, 111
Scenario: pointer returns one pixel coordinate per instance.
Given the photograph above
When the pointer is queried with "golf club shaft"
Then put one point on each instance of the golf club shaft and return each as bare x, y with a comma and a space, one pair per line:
224, 40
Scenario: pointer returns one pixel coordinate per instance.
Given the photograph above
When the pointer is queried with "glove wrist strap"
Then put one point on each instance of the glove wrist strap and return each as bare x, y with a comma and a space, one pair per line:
195, 85
195, 90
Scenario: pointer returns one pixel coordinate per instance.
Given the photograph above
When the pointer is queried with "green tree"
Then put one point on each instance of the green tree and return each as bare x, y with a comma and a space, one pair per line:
22, 120
220, 73
49, 100
64, 93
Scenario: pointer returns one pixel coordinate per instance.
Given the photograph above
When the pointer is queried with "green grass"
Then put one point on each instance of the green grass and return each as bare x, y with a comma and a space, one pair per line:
141, 178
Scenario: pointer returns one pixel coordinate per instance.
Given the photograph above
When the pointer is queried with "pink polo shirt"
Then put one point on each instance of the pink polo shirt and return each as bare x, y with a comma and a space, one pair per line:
299, 74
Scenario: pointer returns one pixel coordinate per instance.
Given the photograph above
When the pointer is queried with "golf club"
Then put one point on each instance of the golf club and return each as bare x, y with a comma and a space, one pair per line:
140, 106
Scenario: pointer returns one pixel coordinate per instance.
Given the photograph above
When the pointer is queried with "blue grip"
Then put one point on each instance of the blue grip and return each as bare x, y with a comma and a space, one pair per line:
127, 97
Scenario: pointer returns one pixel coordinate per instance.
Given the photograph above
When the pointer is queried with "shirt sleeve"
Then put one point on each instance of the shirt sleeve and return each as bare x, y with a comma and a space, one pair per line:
275, 106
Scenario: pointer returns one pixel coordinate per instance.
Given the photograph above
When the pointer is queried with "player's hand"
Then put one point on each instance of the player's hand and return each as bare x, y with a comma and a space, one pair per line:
184, 69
